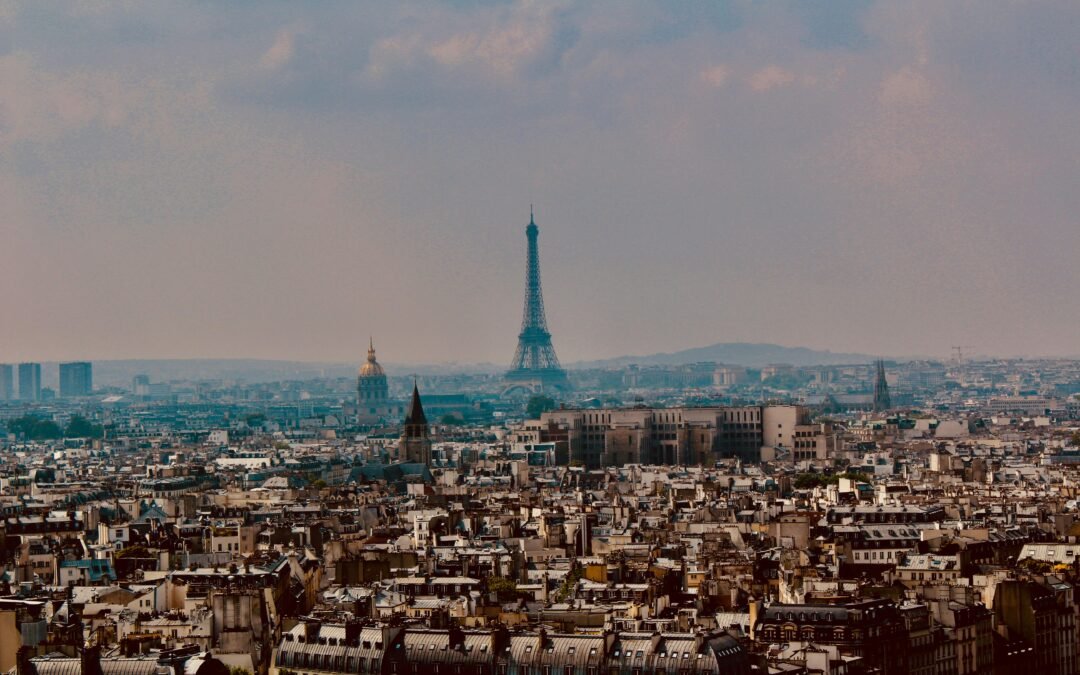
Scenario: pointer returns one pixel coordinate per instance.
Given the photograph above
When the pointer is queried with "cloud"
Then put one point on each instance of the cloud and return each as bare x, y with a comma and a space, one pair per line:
37, 105
716, 76
212, 167
770, 77
280, 53
507, 43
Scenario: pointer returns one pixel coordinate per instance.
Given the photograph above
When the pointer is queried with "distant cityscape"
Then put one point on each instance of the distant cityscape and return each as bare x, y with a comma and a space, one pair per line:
873, 517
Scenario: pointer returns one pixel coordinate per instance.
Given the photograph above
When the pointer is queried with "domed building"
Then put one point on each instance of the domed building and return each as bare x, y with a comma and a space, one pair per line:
373, 404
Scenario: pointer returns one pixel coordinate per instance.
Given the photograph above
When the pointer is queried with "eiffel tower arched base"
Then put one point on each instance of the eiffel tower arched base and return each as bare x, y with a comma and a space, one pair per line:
538, 380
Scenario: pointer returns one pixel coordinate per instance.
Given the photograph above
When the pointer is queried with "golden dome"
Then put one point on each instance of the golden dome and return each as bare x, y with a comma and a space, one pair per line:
372, 367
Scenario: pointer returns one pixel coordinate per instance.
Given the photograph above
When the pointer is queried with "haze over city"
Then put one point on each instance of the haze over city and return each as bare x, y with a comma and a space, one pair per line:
539, 337
282, 180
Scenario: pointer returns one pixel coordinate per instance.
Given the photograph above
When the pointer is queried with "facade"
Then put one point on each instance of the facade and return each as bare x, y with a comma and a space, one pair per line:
870, 548
970, 630
914, 570
76, 379
30, 381
873, 630
677, 436
729, 376
814, 442
1024, 405
415, 444
355, 647
7, 382
1042, 614
779, 422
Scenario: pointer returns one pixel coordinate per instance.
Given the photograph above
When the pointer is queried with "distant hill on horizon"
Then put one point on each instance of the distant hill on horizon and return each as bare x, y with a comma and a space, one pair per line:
750, 354
119, 372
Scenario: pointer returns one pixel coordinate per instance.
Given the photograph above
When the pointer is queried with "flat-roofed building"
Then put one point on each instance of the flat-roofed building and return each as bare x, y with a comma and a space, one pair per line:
76, 379
30, 381
669, 436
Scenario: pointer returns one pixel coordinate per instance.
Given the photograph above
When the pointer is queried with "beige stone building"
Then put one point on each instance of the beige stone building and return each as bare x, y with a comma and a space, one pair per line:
676, 436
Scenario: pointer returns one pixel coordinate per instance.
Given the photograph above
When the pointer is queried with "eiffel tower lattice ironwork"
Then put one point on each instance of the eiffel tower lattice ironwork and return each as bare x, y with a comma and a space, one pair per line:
535, 360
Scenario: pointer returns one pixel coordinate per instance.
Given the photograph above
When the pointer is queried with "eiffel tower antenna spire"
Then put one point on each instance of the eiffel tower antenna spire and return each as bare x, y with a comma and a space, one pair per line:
535, 361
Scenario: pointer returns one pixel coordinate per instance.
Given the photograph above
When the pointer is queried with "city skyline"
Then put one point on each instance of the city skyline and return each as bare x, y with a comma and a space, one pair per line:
281, 181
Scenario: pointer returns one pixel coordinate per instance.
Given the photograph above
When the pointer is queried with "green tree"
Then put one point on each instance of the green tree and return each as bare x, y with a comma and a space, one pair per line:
808, 481
505, 588
35, 429
569, 585
538, 403
80, 427
133, 552
857, 476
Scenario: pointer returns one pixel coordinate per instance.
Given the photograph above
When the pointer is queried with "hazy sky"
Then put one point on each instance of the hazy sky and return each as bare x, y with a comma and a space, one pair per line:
282, 179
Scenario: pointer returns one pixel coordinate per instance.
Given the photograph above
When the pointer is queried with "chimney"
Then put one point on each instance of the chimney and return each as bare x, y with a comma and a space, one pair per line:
500, 639
390, 633
90, 661
352, 633
22, 661
609, 641
456, 637
755, 610
311, 631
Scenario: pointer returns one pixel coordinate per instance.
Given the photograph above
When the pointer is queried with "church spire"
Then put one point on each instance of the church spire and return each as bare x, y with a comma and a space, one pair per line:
416, 410
882, 400
415, 444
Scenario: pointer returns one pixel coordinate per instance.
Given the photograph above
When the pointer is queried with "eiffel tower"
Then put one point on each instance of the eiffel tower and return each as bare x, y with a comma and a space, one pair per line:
534, 361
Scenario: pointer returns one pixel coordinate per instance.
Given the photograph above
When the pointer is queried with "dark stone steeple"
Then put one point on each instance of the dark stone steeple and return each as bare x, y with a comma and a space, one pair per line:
415, 416
415, 444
